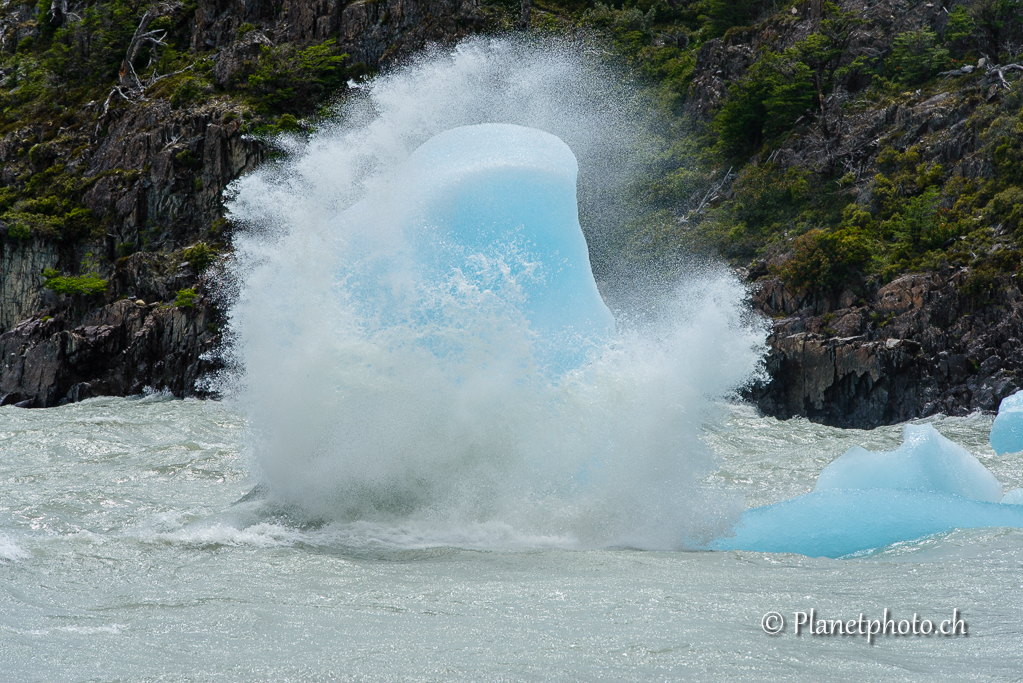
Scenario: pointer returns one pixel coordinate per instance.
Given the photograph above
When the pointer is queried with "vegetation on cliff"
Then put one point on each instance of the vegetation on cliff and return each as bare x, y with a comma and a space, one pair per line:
836, 141
67, 72
780, 140
834, 145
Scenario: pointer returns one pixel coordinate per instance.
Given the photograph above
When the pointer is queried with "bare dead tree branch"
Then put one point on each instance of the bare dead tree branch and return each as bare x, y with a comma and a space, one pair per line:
129, 86
142, 37
712, 194
1000, 71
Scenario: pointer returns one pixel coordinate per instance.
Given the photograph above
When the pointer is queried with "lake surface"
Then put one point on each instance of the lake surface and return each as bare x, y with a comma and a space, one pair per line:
123, 557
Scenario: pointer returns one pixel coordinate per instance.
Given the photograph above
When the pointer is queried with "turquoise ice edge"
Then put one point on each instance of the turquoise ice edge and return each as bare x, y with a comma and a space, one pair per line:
838, 523
866, 500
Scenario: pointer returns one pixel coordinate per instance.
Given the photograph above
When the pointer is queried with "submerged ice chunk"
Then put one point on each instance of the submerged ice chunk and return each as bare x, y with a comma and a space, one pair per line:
867, 500
835, 522
1007, 431
493, 207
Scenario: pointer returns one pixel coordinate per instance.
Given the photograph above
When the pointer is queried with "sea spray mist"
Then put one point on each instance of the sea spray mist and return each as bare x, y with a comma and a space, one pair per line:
358, 424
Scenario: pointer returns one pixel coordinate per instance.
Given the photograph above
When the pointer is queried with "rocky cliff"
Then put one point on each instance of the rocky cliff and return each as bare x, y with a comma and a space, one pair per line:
122, 126
858, 161
920, 345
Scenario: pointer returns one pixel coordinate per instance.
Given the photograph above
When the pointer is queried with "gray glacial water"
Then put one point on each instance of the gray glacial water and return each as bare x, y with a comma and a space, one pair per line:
123, 558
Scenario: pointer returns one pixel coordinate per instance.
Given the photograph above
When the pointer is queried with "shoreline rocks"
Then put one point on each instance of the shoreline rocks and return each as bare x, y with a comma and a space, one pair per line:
920, 345
120, 349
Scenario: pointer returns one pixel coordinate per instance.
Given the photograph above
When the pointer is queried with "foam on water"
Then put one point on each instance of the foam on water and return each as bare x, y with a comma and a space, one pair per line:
134, 570
449, 420
10, 551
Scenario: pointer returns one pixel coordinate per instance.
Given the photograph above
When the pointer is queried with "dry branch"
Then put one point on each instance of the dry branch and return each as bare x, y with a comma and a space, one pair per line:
1000, 72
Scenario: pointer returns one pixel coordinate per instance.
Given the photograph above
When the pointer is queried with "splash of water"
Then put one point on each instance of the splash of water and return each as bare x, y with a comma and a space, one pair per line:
359, 425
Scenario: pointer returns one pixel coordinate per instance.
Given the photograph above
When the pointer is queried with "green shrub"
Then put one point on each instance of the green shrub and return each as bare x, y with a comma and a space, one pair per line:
79, 222
124, 249
767, 203
724, 14
288, 123
959, 30
185, 298
19, 231
823, 261
8, 195
200, 255
917, 225
1008, 152
1006, 208
73, 285
188, 159
916, 56
45, 226
187, 92
296, 80
42, 154
994, 21
982, 282
764, 103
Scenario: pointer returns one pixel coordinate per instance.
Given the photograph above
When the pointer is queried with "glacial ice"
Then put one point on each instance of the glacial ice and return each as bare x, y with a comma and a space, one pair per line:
926, 461
477, 194
1013, 497
837, 522
866, 500
1007, 431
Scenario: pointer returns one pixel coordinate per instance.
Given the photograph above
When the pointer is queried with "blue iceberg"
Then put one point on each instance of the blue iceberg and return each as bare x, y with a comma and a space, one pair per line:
1013, 497
926, 461
492, 205
1007, 431
866, 500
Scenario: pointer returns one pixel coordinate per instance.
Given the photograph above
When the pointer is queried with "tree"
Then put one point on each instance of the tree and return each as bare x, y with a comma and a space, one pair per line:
765, 102
724, 14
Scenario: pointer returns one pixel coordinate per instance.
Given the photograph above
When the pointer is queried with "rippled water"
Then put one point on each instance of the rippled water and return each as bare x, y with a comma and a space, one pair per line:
122, 558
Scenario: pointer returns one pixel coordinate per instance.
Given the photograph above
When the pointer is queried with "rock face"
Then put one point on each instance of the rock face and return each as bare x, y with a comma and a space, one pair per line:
120, 349
149, 167
162, 172
850, 137
21, 291
369, 31
74, 350
918, 346
160, 177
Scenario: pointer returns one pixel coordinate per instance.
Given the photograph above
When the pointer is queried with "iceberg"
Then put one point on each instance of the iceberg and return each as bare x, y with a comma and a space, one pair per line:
866, 500
926, 461
1007, 431
1013, 497
495, 206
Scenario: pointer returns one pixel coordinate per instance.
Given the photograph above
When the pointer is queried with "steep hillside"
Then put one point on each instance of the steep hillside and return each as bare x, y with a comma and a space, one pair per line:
827, 150
859, 162
121, 124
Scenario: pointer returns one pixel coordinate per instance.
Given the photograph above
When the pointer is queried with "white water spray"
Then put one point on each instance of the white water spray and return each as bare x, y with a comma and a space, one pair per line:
358, 424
